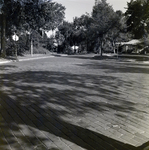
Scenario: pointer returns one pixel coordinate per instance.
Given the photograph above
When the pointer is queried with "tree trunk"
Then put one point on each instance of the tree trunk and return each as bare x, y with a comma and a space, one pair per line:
87, 46
31, 42
31, 47
101, 51
3, 36
113, 44
101, 47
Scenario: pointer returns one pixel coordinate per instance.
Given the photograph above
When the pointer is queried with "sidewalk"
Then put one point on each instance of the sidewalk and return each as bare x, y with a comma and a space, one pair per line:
142, 58
3, 61
26, 57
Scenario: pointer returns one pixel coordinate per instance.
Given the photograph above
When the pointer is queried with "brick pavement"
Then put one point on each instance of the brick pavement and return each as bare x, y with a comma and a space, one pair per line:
74, 104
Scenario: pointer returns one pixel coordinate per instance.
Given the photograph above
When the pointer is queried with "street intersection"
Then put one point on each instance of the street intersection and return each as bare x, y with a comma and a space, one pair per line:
74, 103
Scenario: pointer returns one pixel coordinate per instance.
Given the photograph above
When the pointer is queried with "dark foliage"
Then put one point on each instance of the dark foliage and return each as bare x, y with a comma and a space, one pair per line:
137, 18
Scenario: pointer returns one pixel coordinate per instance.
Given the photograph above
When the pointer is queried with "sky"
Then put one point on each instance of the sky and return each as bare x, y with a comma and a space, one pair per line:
79, 7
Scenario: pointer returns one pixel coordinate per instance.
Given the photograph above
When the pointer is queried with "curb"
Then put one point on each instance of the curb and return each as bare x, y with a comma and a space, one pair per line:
34, 58
24, 59
4, 62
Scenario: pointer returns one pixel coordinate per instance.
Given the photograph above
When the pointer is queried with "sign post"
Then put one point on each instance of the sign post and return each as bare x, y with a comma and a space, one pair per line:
15, 38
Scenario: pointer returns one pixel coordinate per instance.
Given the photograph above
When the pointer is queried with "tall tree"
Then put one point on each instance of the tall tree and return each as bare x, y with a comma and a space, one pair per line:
66, 29
82, 32
41, 16
138, 18
119, 31
3, 11
30, 15
104, 19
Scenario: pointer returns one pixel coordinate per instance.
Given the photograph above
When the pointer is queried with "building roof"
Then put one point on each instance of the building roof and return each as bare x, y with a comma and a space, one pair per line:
132, 42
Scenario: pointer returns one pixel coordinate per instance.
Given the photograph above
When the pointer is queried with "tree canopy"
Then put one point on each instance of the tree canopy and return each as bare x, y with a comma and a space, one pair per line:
104, 20
33, 14
138, 18
92, 31
28, 15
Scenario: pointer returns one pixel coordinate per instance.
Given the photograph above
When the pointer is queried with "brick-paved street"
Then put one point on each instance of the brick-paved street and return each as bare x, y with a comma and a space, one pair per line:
70, 103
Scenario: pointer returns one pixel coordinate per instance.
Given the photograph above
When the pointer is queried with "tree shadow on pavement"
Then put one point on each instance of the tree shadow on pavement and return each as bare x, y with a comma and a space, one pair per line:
45, 110
118, 67
6, 67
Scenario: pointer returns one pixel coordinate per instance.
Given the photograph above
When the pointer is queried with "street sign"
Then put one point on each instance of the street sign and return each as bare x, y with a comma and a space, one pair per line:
15, 37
